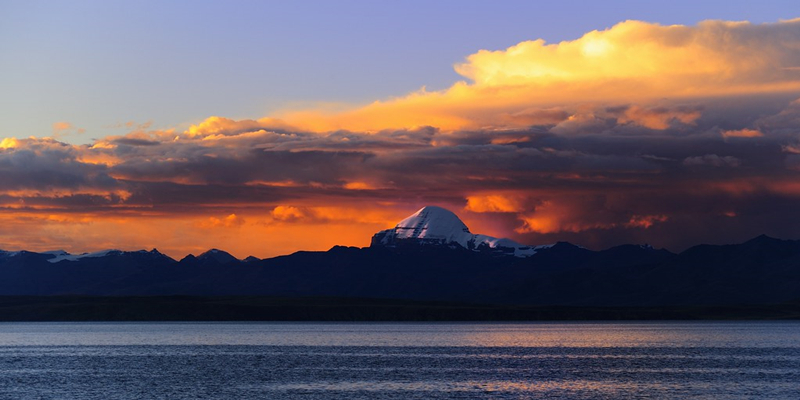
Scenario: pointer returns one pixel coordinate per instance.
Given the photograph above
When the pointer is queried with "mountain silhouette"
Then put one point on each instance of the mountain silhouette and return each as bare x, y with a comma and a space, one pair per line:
432, 256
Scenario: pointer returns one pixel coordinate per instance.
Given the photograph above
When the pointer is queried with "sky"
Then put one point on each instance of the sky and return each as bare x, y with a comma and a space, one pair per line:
267, 127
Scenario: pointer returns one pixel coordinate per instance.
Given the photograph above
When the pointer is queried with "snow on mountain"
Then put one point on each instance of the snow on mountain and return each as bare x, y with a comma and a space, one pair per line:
6, 254
439, 226
61, 255
433, 223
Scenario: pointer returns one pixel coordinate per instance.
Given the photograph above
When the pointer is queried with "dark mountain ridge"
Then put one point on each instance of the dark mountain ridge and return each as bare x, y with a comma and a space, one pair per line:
760, 271
763, 270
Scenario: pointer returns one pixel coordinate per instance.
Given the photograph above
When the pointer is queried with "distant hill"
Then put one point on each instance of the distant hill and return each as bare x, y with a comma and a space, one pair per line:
432, 256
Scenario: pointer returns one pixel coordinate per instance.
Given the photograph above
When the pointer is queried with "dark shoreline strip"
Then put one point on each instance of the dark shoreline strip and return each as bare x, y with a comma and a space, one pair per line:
249, 308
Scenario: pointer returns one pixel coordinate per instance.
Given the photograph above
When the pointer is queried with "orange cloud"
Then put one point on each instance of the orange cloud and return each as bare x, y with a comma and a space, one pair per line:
658, 118
230, 221
63, 127
792, 148
742, 133
120, 194
98, 158
368, 214
645, 221
714, 57
288, 213
218, 125
567, 216
553, 217
493, 203
358, 186
631, 61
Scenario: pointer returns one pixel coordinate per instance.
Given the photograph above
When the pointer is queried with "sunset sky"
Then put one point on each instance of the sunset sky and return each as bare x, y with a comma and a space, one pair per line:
266, 127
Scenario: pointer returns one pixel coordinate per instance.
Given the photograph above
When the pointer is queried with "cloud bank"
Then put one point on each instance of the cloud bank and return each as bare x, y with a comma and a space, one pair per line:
671, 135
534, 82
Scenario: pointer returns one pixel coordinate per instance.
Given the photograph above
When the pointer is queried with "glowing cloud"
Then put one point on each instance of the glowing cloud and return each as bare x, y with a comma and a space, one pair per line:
742, 133
645, 221
288, 213
9, 143
554, 217
493, 203
631, 61
230, 221
64, 128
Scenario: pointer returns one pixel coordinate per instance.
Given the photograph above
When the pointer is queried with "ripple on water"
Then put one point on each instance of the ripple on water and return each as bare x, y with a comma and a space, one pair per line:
400, 361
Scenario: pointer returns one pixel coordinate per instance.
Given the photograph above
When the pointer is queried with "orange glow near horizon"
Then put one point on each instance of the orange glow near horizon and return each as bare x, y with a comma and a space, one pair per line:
265, 235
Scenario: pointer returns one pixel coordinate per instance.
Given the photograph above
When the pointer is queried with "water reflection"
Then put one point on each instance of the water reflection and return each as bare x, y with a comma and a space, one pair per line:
596, 335
401, 361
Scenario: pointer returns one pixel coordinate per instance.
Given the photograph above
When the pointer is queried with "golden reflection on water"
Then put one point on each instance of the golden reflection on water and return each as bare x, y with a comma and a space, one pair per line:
546, 334
486, 386
599, 335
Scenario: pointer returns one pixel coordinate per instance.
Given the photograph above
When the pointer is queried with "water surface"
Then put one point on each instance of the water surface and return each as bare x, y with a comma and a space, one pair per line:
741, 360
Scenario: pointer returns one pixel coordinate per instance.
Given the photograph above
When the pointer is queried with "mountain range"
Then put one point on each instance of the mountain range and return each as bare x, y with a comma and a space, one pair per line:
433, 256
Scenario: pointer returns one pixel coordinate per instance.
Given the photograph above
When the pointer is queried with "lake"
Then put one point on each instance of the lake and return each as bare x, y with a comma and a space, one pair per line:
686, 360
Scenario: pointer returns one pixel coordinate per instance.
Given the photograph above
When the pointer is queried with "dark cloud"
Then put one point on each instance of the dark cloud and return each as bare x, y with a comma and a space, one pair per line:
712, 160
49, 165
598, 176
135, 142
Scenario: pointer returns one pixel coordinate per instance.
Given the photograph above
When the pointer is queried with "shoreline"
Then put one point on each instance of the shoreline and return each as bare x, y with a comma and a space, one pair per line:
258, 308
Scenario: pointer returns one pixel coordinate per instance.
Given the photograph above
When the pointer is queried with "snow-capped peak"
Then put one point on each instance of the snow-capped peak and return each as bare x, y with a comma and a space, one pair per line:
436, 225
433, 223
